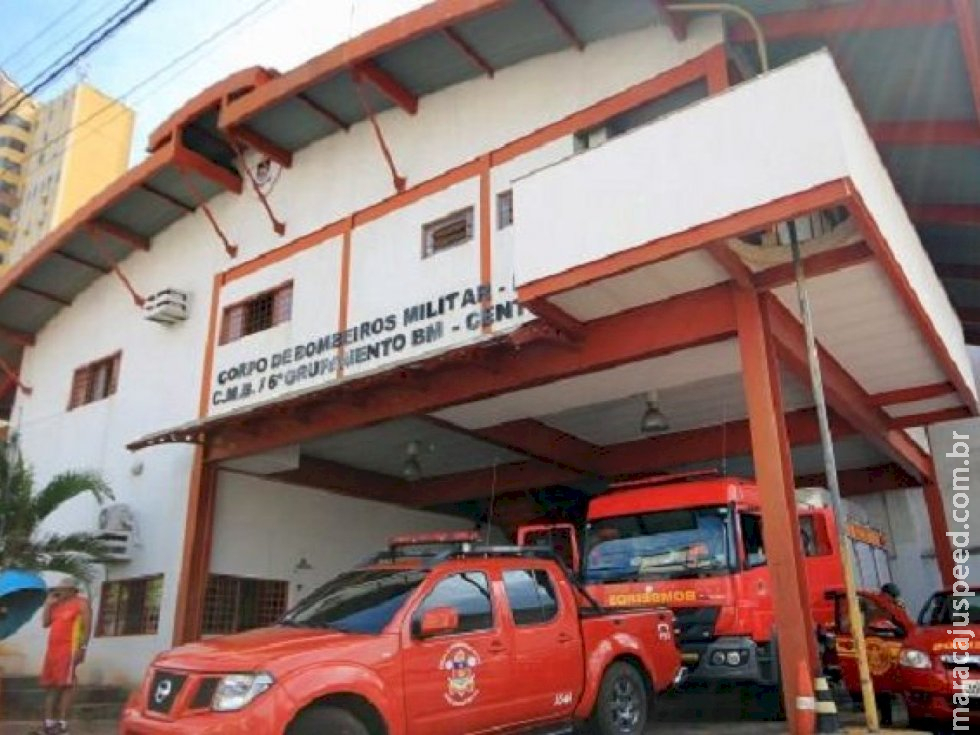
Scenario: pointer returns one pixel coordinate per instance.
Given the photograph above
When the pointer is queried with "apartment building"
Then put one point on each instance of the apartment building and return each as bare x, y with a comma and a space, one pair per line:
17, 119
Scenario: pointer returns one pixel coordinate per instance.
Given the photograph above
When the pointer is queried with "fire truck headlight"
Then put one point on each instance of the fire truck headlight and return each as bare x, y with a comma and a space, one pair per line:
733, 658
718, 658
914, 659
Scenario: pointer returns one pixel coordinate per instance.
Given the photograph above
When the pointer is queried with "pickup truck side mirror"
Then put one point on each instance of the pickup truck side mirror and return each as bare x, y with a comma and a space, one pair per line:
438, 621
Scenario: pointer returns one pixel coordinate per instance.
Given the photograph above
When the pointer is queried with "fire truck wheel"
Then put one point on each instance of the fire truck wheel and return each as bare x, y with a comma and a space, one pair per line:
621, 707
333, 720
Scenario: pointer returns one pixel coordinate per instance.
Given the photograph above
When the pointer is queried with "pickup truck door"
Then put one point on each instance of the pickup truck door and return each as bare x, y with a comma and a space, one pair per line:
460, 682
548, 659
883, 634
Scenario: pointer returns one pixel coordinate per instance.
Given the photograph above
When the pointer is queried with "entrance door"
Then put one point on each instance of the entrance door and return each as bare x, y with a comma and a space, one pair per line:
458, 683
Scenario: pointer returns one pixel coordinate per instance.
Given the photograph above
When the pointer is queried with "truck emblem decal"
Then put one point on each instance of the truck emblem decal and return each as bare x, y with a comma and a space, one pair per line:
459, 663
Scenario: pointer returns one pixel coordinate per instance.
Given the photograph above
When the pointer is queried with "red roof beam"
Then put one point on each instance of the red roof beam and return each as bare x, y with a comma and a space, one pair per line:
387, 85
177, 203
929, 418
865, 480
17, 337
968, 25
951, 214
562, 24
118, 233
190, 162
556, 317
41, 294
819, 264
927, 132
322, 111
911, 395
468, 51
545, 443
263, 145
865, 15
83, 262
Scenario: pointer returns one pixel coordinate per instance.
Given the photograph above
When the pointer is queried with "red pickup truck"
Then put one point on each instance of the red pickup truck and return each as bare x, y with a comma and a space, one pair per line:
939, 672
477, 641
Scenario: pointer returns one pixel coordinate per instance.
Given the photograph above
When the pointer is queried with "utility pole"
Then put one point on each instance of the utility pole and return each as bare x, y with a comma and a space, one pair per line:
830, 467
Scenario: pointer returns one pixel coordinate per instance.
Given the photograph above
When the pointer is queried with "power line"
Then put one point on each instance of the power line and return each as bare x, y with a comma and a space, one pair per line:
85, 47
40, 34
170, 66
40, 53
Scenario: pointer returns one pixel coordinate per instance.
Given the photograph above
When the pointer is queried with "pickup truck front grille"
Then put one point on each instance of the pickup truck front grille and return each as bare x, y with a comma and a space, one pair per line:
164, 688
696, 624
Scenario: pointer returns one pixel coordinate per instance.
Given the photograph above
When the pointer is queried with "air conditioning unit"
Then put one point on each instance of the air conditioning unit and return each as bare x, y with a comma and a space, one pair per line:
118, 545
117, 531
168, 306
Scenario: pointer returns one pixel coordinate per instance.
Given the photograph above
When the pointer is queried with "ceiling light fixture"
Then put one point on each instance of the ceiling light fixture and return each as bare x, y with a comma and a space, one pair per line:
653, 421
412, 469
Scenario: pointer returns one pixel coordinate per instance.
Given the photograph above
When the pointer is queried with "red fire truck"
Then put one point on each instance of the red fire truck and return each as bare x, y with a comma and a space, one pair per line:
696, 546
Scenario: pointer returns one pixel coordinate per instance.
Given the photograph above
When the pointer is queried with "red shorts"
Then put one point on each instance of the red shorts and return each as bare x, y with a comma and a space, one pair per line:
58, 669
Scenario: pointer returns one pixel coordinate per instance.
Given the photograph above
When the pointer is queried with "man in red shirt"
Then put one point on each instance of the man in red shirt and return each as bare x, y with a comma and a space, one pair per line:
68, 616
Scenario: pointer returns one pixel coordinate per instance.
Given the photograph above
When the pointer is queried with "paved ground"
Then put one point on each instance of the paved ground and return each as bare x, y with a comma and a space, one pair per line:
684, 713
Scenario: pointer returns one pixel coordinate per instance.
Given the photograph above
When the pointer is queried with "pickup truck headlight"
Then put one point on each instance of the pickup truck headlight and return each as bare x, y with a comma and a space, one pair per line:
237, 690
914, 659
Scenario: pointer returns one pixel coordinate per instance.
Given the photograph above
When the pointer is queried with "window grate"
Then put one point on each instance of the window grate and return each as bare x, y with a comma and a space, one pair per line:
447, 232
258, 313
233, 604
505, 209
130, 607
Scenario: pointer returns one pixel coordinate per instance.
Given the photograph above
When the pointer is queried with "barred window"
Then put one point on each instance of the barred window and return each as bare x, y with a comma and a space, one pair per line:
130, 607
233, 604
505, 209
95, 381
258, 313
446, 232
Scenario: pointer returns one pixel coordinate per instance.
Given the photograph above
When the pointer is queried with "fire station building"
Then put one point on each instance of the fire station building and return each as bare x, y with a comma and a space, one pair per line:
445, 273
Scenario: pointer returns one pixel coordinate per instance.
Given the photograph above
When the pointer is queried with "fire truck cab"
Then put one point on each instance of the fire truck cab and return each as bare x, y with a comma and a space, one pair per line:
696, 546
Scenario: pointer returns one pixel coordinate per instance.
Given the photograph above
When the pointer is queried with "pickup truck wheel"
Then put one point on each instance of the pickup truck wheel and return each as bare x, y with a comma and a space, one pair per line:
333, 720
621, 708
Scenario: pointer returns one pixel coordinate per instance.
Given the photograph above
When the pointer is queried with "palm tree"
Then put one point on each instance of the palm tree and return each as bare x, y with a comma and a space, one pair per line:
23, 545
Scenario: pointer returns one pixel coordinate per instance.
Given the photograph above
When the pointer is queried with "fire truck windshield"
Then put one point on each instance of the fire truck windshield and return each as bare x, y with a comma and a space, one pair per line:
362, 601
669, 544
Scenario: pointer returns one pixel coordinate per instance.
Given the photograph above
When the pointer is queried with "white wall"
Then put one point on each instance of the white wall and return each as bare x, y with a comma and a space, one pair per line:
331, 532
903, 517
161, 369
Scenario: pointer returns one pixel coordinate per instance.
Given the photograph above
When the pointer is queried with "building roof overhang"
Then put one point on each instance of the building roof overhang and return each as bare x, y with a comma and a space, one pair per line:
929, 134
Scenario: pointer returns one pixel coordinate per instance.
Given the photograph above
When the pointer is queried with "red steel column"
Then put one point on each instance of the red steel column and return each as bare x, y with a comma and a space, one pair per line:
937, 523
780, 525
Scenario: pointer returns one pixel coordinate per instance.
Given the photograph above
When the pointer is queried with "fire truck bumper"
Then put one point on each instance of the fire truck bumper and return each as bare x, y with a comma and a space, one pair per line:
730, 659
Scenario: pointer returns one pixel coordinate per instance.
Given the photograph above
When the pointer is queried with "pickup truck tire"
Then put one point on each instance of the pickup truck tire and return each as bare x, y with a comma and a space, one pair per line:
333, 720
621, 707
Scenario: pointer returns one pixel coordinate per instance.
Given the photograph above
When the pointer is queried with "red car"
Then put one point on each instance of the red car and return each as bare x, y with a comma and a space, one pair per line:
940, 659
467, 641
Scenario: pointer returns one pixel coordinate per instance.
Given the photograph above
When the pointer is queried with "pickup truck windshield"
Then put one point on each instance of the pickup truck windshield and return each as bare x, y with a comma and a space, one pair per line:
670, 544
362, 601
940, 610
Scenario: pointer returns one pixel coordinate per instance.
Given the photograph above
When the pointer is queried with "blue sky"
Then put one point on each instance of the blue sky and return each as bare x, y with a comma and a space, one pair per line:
279, 33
